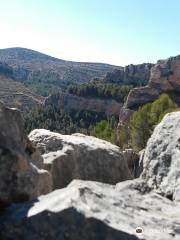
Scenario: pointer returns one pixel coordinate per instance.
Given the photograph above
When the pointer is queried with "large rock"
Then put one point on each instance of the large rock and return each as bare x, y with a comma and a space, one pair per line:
147, 208
161, 159
20, 179
78, 156
90, 211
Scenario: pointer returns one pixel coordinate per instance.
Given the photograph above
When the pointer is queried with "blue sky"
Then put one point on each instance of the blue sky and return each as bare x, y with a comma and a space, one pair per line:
112, 31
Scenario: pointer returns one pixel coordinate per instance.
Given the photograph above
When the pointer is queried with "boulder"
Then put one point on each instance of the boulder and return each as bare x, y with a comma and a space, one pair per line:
78, 156
20, 179
86, 210
146, 208
161, 159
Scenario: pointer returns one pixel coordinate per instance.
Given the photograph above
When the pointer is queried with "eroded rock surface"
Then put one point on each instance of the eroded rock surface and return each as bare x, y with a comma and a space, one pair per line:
162, 157
87, 210
91, 210
78, 156
20, 179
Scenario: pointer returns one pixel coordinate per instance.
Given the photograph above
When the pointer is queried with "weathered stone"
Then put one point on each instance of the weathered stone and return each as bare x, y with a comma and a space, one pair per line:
140, 96
78, 156
20, 180
161, 159
90, 211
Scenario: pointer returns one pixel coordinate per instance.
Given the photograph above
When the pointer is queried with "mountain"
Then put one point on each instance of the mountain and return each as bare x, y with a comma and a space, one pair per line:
46, 73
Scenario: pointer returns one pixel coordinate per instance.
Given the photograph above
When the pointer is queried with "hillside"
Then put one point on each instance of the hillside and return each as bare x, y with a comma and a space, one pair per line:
14, 94
39, 71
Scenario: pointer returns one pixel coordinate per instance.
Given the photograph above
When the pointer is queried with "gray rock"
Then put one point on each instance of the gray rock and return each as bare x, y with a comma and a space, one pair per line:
78, 156
162, 157
90, 210
20, 179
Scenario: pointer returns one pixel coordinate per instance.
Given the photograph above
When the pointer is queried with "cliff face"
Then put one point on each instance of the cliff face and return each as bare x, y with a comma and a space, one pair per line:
131, 74
164, 78
72, 102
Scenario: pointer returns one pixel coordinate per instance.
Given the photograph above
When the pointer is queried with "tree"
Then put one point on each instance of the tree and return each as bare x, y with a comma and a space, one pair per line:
146, 118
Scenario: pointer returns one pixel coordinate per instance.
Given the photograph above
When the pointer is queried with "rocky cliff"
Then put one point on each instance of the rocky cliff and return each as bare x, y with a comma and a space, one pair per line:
20, 177
72, 102
132, 74
164, 78
146, 208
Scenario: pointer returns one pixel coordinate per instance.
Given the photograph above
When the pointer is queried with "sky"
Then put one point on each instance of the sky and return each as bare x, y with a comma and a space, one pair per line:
118, 32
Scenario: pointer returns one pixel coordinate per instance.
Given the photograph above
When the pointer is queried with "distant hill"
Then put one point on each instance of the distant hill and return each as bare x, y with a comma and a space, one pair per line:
45, 73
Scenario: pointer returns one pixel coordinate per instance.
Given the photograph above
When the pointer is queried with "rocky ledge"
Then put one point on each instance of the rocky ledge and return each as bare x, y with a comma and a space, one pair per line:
145, 208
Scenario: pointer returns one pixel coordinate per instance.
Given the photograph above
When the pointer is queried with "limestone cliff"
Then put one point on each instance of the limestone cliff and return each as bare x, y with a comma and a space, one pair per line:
72, 102
164, 78
132, 74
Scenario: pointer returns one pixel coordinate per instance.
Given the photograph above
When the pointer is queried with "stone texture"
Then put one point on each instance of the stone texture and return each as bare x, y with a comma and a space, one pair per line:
20, 179
78, 156
162, 157
72, 102
90, 211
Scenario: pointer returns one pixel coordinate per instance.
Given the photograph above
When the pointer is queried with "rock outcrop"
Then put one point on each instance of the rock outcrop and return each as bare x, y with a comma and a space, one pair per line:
136, 75
70, 102
20, 179
164, 78
78, 156
161, 159
90, 211
147, 208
